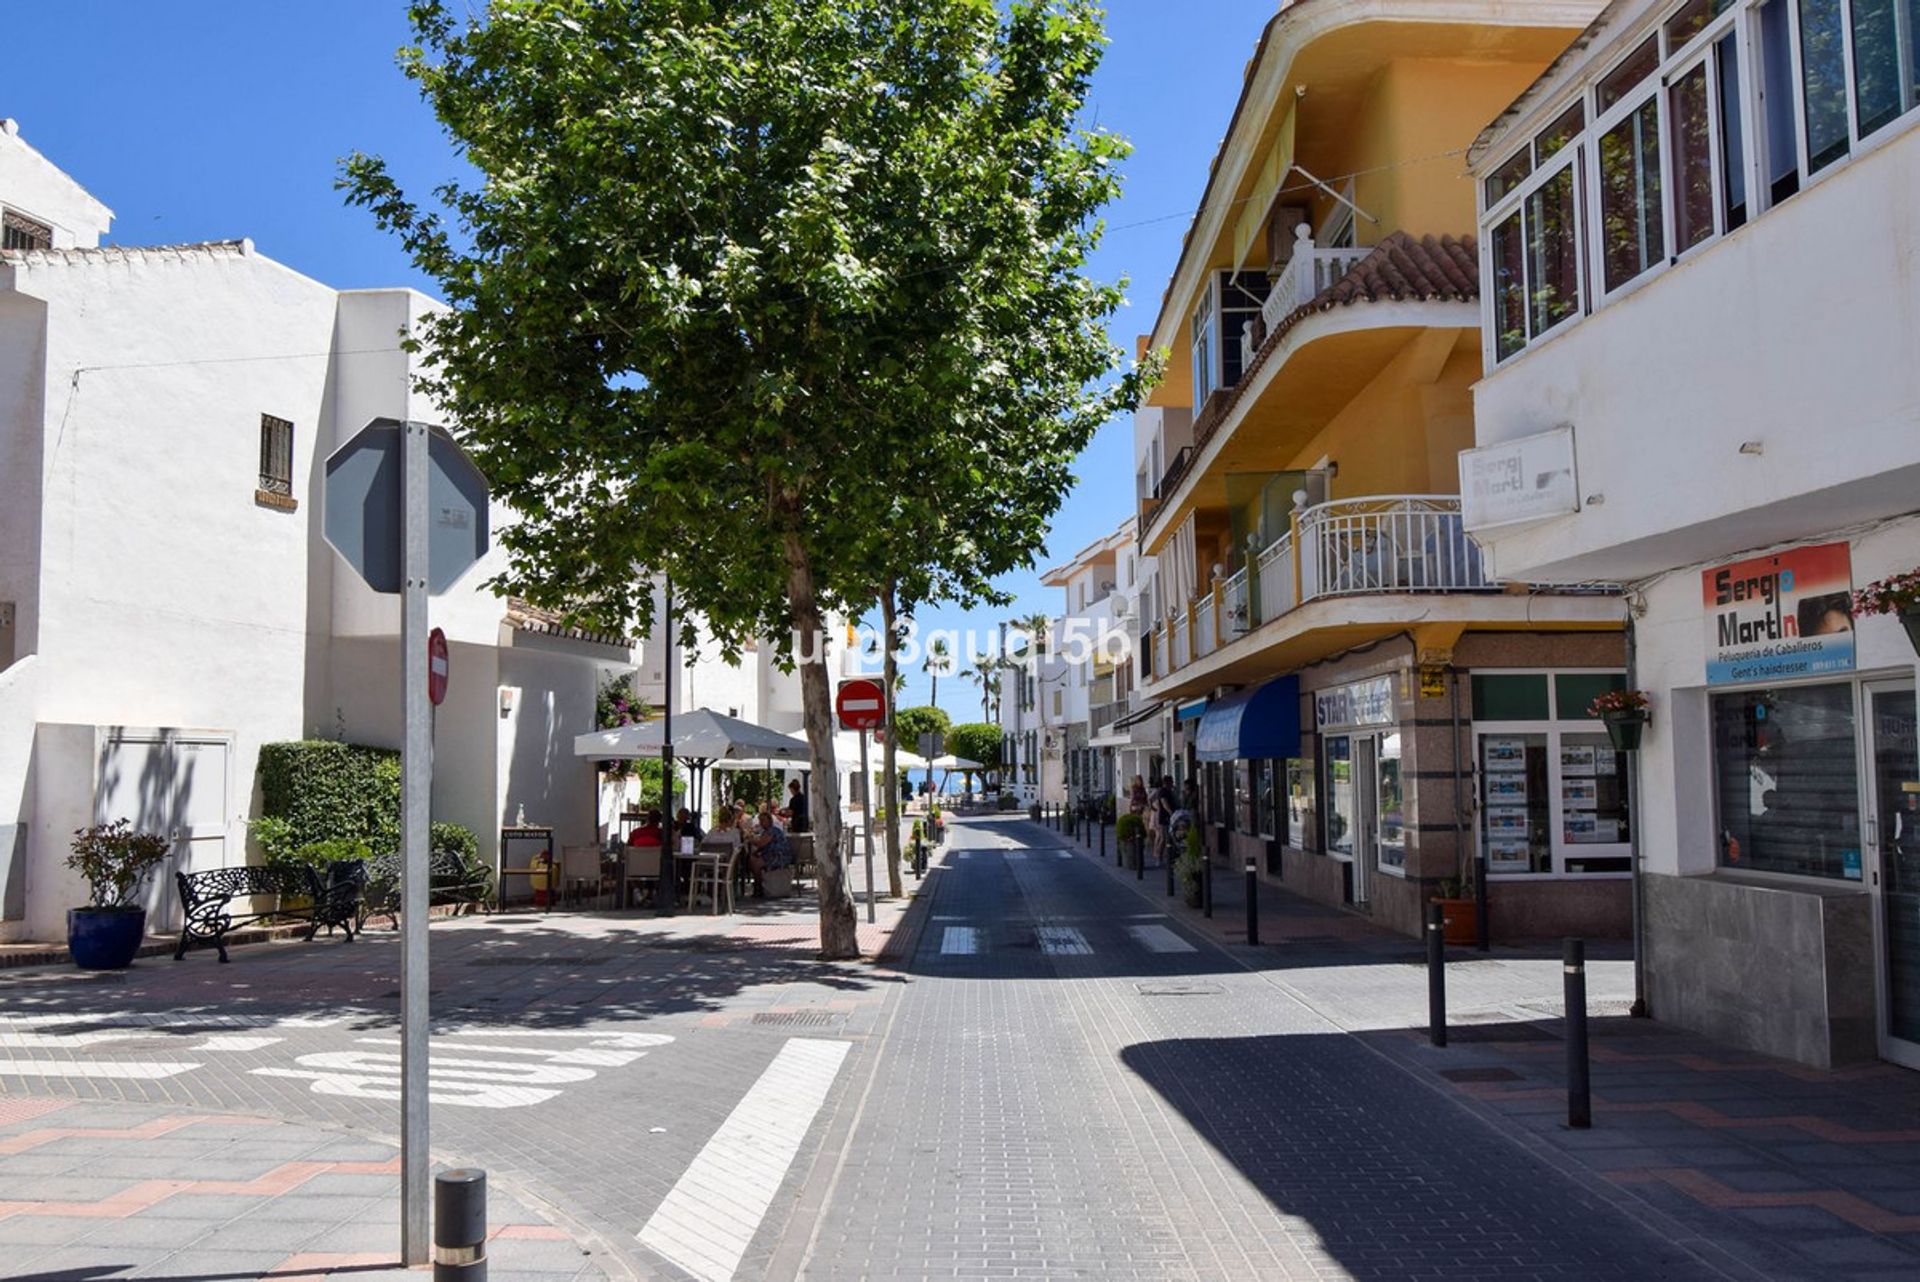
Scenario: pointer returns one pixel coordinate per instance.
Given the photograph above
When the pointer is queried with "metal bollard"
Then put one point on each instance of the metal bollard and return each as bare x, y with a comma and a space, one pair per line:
919, 856
1103, 839
460, 1225
1253, 904
1579, 1092
1436, 975
1166, 861
1206, 886
1139, 858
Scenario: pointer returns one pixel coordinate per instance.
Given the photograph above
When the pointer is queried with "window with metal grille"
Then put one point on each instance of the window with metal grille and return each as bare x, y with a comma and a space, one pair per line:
17, 231
276, 455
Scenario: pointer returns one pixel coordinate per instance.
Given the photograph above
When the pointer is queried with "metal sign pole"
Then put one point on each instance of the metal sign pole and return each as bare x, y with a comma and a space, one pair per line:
866, 805
416, 788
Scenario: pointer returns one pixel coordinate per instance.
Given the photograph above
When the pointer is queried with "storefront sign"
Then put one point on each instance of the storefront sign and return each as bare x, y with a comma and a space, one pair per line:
1364, 703
1786, 615
1529, 479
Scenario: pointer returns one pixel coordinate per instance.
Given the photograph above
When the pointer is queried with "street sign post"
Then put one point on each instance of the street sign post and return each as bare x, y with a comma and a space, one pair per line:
406, 508
862, 706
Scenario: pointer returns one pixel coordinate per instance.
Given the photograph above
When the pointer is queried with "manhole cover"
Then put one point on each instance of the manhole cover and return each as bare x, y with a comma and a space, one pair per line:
1479, 1075
794, 1019
1179, 988
537, 960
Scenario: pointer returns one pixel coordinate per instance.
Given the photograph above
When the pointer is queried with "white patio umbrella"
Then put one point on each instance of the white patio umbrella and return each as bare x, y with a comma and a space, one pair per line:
701, 738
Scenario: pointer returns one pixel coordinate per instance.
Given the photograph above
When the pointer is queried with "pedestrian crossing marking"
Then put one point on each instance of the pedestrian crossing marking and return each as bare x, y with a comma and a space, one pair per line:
1159, 939
1062, 941
710, 1216
1016, 854
963, 940
1064, 854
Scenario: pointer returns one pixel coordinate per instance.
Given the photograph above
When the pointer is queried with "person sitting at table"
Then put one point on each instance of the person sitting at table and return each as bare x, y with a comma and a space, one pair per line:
648, 833
767, 849
796, 812
685, 826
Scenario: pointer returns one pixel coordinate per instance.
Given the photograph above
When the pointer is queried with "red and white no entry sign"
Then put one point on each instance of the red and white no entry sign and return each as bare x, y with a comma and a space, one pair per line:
437, 666
861, 705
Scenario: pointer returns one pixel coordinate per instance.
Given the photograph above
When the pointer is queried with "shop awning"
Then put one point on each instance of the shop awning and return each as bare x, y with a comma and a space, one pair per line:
1138, 715
1261, 722
1188, 711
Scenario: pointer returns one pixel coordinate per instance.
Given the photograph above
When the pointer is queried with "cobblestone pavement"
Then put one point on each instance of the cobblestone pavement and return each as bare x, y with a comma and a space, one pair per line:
1058, 1073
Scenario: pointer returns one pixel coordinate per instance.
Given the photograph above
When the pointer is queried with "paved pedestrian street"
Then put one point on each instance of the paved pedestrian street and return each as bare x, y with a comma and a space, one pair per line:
1056, 1071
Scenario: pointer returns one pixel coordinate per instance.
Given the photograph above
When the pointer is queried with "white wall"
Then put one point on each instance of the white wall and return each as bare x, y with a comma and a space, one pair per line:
31, 184
1798, 332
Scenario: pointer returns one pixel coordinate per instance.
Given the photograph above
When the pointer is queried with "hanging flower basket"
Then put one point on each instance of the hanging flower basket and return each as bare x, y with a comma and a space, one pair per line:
1625, 713
1898, 595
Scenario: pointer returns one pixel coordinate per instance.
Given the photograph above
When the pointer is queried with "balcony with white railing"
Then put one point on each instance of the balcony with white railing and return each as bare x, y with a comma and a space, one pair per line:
1383, 546
1310, 270
1205, 641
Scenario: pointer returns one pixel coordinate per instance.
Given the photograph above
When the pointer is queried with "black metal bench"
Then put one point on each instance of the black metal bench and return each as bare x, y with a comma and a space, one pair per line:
217, 901
450, 880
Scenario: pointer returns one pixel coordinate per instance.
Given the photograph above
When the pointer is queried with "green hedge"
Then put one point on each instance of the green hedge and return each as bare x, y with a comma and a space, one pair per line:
327, 791
321, 801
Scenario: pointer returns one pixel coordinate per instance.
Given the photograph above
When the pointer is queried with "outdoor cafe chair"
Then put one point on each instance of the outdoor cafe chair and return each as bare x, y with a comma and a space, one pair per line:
642, 868
580, 866
717, 877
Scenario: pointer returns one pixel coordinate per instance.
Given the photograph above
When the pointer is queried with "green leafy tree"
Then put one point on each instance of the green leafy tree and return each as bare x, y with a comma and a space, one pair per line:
975, 741
739, 277
910, 723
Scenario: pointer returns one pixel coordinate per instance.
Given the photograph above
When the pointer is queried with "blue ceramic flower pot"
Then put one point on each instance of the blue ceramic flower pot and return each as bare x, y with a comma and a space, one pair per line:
105, 938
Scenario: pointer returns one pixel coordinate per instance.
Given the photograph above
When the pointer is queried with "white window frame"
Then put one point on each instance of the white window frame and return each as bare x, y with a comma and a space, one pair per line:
1514, 204
1553, 728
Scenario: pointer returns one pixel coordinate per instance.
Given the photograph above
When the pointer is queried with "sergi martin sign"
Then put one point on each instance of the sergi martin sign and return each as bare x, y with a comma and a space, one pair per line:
1786, 615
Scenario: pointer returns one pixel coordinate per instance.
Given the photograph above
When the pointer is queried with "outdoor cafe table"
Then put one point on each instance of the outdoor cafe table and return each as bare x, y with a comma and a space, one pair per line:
705, 855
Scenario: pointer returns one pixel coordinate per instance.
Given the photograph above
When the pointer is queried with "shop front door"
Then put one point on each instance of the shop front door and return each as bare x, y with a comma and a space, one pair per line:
1366, 855
1893, 833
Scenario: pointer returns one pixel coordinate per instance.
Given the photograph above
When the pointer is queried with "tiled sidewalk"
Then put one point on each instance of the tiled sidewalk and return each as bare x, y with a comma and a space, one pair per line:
96, 1190
1772, 1168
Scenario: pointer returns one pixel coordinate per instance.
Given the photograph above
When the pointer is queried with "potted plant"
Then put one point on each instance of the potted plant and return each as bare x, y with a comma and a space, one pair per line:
1897, 594
1626, 714
115, 859
1127, 832
1190, 868
1459, 911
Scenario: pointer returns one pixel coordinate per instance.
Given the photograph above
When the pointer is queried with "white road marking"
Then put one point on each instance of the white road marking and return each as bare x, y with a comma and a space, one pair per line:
458, 1078
236, 1042
129, 1070
960, 939
1159, 939
1065, 854
1059, 940
709, 1217
1016, 854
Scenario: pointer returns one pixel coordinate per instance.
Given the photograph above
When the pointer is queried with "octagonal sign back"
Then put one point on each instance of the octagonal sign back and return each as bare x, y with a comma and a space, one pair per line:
363, 519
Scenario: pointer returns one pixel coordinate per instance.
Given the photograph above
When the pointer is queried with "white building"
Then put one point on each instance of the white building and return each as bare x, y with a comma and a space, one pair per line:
1033, 719
1699, 230
169, 603
1096, 645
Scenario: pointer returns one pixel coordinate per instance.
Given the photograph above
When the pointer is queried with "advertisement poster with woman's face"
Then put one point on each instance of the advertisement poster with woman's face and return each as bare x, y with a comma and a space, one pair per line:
1785, 615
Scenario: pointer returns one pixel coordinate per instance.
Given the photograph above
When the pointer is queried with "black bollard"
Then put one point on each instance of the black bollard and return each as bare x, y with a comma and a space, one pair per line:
1139, 858
1253, 905
919, 855
1579, 1092
1206, 886
460, 1226
1436, 975
1103, 839
1166, 861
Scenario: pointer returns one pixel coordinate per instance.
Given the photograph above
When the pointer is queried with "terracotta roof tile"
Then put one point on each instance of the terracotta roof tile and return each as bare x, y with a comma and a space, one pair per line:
527, 617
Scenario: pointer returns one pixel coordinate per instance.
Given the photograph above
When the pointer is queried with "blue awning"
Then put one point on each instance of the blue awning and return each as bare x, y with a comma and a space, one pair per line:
1261, 722
1188, 711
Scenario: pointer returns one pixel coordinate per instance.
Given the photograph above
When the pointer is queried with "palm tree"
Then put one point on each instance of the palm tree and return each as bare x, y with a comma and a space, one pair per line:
939, 659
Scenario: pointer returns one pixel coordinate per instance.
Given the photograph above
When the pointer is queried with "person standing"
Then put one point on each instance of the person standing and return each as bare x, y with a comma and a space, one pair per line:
1162, 807
796, 812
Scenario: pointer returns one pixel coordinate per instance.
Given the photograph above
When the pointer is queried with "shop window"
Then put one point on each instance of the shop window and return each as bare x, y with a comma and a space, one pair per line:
1300, 800
1593, 803
1340, 796
1510, 697
1516, 823
1787, 781
1239, 784
1261, 774
1390, 804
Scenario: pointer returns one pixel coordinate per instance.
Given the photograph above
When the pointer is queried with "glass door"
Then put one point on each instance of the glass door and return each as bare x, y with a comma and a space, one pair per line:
1894, 836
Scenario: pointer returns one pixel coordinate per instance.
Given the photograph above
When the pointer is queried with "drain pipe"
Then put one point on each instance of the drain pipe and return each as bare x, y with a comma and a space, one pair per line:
1639, 1009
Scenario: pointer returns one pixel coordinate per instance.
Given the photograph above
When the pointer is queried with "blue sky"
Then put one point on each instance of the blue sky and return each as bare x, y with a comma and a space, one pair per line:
222, 118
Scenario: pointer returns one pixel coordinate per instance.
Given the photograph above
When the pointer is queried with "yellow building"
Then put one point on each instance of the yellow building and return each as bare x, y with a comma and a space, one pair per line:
1366, 714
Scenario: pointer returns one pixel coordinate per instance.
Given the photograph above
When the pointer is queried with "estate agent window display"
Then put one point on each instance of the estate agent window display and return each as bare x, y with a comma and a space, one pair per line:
1553, 791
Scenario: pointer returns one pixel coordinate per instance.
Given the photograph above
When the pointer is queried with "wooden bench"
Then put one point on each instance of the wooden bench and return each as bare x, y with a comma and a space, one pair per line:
450, 880
217, 901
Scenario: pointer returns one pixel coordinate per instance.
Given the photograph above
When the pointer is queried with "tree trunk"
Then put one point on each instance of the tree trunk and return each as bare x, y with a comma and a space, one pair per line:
890, 755
839, 928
